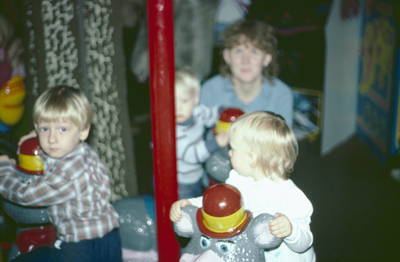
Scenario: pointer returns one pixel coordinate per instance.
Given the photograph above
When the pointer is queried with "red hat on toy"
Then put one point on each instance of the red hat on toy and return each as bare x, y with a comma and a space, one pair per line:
228, 115
29, 160
223, 214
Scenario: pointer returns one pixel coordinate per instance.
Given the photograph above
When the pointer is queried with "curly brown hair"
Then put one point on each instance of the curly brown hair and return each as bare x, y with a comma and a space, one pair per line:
258, 33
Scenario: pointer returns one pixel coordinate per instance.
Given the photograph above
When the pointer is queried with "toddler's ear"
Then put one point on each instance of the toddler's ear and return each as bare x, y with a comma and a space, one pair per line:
253, 159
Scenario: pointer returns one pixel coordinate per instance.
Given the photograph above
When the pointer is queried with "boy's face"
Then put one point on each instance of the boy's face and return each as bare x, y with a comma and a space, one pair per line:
185, 101
246, 62
59, 138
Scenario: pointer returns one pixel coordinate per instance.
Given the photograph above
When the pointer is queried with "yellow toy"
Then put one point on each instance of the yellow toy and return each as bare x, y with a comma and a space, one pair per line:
12, 95
226, 118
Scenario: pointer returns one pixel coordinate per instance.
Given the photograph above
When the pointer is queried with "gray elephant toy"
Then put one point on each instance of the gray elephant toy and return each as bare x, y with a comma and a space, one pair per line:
222, 230
137, 228
218, 166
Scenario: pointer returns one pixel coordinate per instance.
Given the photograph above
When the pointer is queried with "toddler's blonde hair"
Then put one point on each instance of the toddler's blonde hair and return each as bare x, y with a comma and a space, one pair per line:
271, 139
186, 80
63, 103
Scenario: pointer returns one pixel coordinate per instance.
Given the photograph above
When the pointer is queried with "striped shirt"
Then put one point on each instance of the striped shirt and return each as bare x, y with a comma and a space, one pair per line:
192, 149
75, 188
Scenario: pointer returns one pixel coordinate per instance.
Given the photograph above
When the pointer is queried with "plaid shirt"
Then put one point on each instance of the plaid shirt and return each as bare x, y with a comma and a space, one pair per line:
76, 190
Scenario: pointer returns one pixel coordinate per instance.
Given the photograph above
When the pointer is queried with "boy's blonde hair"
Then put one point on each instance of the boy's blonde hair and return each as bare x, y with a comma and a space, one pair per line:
63, 103
271, 139
187, 80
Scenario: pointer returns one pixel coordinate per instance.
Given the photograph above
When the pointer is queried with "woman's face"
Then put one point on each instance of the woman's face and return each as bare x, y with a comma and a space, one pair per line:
246, 62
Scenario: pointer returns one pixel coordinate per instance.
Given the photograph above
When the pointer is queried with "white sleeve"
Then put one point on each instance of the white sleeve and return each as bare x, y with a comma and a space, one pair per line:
301, 238
196, 201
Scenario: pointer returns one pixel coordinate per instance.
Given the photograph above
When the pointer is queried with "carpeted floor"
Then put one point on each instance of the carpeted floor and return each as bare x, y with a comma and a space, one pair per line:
356, 203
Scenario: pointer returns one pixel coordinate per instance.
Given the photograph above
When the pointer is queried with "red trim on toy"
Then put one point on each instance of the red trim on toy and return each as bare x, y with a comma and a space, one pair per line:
31, 239
239, 229
28, 172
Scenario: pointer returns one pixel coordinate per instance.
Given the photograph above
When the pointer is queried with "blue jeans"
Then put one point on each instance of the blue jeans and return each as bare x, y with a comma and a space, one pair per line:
190, 190
105, 249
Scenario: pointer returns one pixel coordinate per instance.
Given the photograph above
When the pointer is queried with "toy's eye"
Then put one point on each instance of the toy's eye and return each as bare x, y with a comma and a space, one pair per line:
204, 242
225, 247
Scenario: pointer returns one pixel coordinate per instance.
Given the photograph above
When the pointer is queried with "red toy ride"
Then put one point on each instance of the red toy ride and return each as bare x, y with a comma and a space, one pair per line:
33, 225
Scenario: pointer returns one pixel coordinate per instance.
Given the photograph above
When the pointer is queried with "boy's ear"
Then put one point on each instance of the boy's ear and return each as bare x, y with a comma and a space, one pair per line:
267, 60
84, 133
226, 56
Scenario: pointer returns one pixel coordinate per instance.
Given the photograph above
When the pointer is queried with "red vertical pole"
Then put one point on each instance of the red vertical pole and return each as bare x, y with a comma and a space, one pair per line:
162, 74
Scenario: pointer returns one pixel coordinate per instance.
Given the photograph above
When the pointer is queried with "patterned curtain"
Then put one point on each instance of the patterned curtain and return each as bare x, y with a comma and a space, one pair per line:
79, 43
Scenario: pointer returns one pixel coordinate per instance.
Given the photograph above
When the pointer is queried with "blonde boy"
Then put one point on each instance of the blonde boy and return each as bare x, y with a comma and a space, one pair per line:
75, 186
263, 153
191, 121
